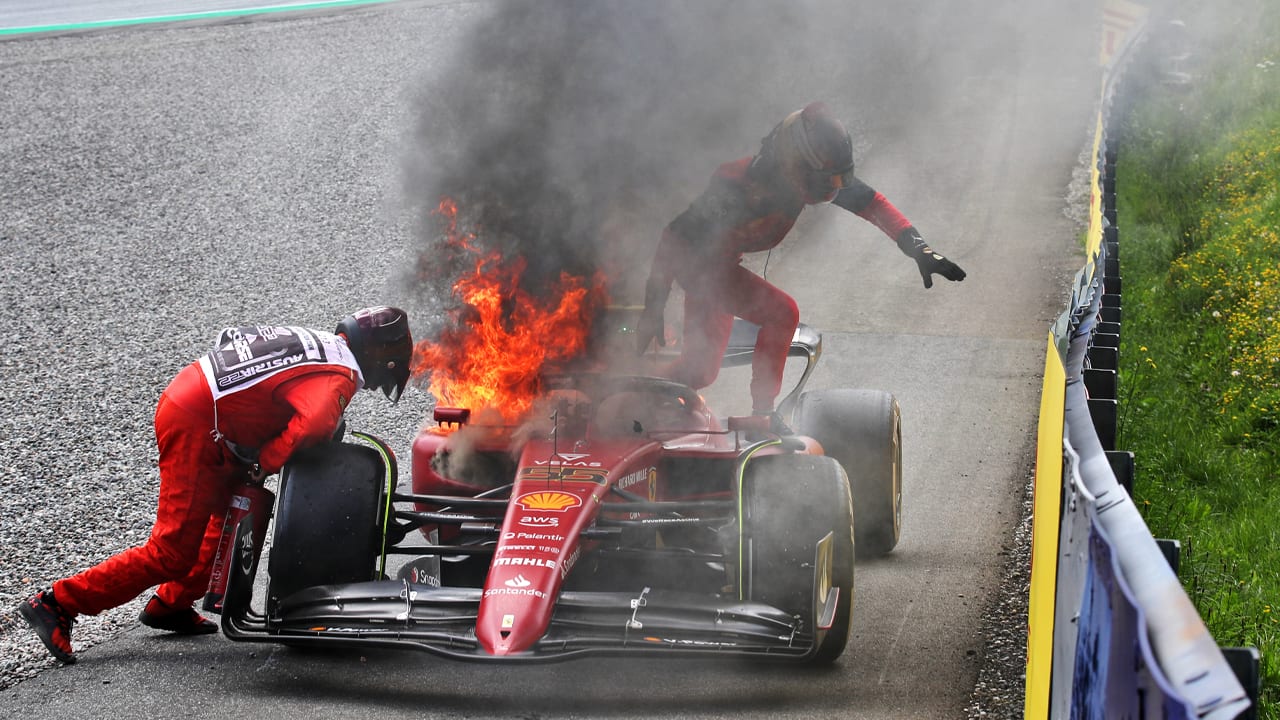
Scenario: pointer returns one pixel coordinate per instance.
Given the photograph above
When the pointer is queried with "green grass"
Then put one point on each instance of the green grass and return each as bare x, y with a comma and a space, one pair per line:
1199, 217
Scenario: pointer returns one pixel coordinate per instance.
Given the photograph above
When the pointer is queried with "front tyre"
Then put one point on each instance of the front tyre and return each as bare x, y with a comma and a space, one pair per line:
326, 526
797, 544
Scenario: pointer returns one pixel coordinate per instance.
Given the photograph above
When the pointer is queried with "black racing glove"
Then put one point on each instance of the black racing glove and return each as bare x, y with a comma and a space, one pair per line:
651, 326
929, 262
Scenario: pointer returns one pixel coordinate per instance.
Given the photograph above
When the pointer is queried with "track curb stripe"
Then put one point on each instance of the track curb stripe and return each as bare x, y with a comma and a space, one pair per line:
206, 15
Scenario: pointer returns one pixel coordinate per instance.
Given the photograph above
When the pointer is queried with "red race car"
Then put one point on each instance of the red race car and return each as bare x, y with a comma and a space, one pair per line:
625, 518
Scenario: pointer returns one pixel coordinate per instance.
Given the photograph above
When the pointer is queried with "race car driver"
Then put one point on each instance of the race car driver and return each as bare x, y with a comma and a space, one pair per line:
749, 206
237, 412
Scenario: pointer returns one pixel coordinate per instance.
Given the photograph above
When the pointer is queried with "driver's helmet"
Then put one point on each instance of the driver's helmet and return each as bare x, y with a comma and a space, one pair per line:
379, 338
814, 151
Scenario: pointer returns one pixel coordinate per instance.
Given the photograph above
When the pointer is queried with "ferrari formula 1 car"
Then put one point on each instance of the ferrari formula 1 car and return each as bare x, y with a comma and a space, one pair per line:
626, 519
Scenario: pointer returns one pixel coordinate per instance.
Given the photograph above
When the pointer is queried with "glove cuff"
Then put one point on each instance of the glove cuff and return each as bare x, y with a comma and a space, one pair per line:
911, 243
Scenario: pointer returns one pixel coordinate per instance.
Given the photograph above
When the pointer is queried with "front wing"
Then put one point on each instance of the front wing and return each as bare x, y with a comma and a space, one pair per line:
441, 620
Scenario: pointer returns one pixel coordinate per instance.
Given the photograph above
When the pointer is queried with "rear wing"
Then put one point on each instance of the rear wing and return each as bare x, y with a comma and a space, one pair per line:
806, 343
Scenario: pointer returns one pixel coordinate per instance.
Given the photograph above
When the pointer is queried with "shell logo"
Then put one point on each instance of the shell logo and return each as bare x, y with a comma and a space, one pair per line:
551, 501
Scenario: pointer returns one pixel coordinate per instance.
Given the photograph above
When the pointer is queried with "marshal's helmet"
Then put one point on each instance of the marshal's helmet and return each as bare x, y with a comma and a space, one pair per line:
379, 338
814, 151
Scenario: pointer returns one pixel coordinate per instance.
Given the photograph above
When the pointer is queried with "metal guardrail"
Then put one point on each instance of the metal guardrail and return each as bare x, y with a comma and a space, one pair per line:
1112, 632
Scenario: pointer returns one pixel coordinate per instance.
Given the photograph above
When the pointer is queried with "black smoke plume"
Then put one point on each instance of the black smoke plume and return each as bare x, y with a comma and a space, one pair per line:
571, 131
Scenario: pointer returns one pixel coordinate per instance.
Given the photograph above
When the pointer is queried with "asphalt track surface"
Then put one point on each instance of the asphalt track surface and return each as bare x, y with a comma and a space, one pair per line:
976, 142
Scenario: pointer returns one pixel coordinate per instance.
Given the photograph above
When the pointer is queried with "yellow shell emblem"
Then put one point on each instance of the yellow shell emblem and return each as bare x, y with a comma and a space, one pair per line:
552, 501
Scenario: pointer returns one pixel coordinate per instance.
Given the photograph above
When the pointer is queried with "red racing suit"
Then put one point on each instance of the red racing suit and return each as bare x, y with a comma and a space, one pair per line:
747, 207
276, 404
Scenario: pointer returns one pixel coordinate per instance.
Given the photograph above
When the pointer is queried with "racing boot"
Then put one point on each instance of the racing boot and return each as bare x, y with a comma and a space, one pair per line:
777, 427
184, 621
51, 622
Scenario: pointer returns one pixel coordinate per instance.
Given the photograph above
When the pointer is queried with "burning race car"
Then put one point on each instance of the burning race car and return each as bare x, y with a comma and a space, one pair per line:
626, 518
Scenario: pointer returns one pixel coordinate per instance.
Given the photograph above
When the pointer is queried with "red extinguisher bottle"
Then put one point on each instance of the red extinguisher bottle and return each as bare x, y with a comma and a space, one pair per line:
250, 498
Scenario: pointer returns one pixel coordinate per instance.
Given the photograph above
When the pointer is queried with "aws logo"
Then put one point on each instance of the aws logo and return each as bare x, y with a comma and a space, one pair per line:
548, 501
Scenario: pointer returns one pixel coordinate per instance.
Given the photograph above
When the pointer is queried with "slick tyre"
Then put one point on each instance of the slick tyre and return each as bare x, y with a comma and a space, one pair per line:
792, 506
862, 429
326, 526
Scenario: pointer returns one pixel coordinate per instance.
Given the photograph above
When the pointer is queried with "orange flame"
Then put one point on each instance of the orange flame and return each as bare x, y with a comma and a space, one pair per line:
493, 354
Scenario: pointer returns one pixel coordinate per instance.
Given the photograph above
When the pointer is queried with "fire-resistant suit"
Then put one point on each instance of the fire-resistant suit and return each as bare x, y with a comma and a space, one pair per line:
277, 389
748, 207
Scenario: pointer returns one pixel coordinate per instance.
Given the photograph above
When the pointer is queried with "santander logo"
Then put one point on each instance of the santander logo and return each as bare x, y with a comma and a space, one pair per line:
518, 582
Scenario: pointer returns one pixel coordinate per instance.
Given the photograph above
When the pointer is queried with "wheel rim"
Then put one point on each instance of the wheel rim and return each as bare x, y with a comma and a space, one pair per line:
897, 474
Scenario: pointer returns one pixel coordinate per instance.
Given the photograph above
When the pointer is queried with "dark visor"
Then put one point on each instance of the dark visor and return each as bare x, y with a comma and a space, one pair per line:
824, 181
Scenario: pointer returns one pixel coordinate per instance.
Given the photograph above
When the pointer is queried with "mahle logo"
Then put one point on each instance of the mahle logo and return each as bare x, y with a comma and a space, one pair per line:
549, 501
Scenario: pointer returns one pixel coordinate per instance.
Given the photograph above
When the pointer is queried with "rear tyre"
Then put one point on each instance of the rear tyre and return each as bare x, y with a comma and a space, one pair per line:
326, 526
792, 504
863, 430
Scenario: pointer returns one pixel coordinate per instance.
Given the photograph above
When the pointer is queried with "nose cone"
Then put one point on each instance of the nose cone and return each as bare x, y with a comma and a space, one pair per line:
520, 637
516, 608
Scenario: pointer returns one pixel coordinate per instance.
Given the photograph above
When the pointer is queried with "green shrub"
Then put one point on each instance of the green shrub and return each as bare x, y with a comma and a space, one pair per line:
1199, 215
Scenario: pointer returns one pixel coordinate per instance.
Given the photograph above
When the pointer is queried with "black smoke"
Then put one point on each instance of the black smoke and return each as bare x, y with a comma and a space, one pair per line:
571, 131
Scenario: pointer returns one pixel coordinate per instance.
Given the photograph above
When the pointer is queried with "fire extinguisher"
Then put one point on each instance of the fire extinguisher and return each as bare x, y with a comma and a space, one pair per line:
251, 498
